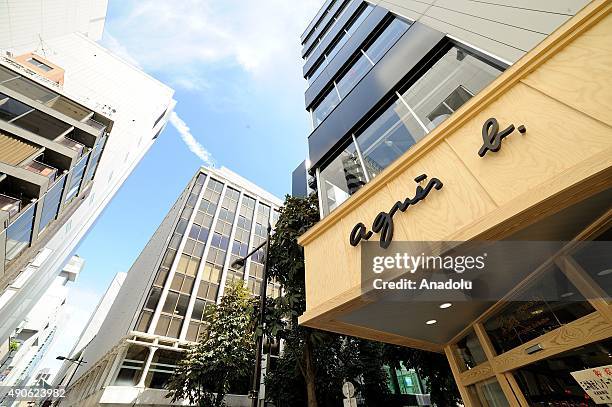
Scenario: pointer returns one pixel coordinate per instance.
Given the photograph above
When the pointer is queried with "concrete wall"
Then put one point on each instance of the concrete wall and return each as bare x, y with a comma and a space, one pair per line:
504, 28
26, 24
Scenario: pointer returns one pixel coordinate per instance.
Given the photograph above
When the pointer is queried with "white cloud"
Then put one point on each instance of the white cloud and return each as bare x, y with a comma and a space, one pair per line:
260, 37
193, 144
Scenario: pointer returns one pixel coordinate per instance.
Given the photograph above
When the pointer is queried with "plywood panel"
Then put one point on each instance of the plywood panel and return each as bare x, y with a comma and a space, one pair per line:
460, 200
581, 75
329, 268
558, 137
477, 374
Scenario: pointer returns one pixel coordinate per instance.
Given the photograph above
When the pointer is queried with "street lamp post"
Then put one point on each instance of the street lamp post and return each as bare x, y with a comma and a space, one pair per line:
254, 392
78, 362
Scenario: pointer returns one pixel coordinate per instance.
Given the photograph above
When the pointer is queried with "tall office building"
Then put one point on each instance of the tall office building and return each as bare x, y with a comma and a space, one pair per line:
22, 352
383, 74
464, 121
186, 265
69, 107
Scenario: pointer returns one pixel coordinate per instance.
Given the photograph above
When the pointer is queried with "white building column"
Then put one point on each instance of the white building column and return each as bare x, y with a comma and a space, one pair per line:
198, 278
228, 254
147, 365
247, 264
179, 251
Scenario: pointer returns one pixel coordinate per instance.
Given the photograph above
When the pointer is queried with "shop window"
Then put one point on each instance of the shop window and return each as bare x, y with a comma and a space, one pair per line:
549, 382
470, 351
546, 304
489, 394
596, 259
132, 365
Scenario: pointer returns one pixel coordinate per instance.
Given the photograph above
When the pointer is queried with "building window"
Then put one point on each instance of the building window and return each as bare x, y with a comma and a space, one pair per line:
51, 204
77, 176
489, 393
132, 365
340, 179
313, 42
362, 62
19, 234
388, 137
409, 115
470, 352
546, 304
161, 369
339, 41
447, 85
324, 108
549, 381
39, 64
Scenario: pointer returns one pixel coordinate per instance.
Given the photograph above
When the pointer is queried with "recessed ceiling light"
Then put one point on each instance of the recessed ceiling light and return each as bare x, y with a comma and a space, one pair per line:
568, 294
446, 305
431, 322
605, 272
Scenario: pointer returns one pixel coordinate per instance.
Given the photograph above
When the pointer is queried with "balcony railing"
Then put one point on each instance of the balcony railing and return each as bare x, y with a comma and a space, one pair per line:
95, 124
42, 169
10, 205
70, 143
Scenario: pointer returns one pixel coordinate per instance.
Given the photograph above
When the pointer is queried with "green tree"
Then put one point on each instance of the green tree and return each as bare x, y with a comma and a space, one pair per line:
314, 363
223, 355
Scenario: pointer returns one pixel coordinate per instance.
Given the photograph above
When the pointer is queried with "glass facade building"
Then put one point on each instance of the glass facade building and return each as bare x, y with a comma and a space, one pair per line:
493, 101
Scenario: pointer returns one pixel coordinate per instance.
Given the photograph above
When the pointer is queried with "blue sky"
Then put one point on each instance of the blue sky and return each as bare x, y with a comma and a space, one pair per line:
236, 68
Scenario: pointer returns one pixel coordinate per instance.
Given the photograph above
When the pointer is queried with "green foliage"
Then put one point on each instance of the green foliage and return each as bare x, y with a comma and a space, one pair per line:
223, 355
325, 359
13, 345
322, 359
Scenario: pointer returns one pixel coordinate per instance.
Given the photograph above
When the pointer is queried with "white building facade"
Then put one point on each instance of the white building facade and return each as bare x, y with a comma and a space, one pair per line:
184, 267
36, 333
138, 106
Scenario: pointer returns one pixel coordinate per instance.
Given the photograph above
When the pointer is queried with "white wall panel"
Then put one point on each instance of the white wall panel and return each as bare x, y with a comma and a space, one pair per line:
504, 28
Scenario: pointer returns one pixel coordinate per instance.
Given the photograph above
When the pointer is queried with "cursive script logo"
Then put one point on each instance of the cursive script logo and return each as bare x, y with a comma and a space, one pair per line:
383, 223
491, 138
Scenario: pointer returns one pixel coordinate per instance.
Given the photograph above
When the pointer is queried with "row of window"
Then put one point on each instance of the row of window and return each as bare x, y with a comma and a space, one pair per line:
20, 232
408, 116
345, 34
173, 312
34, 91
323, 26
358, 66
